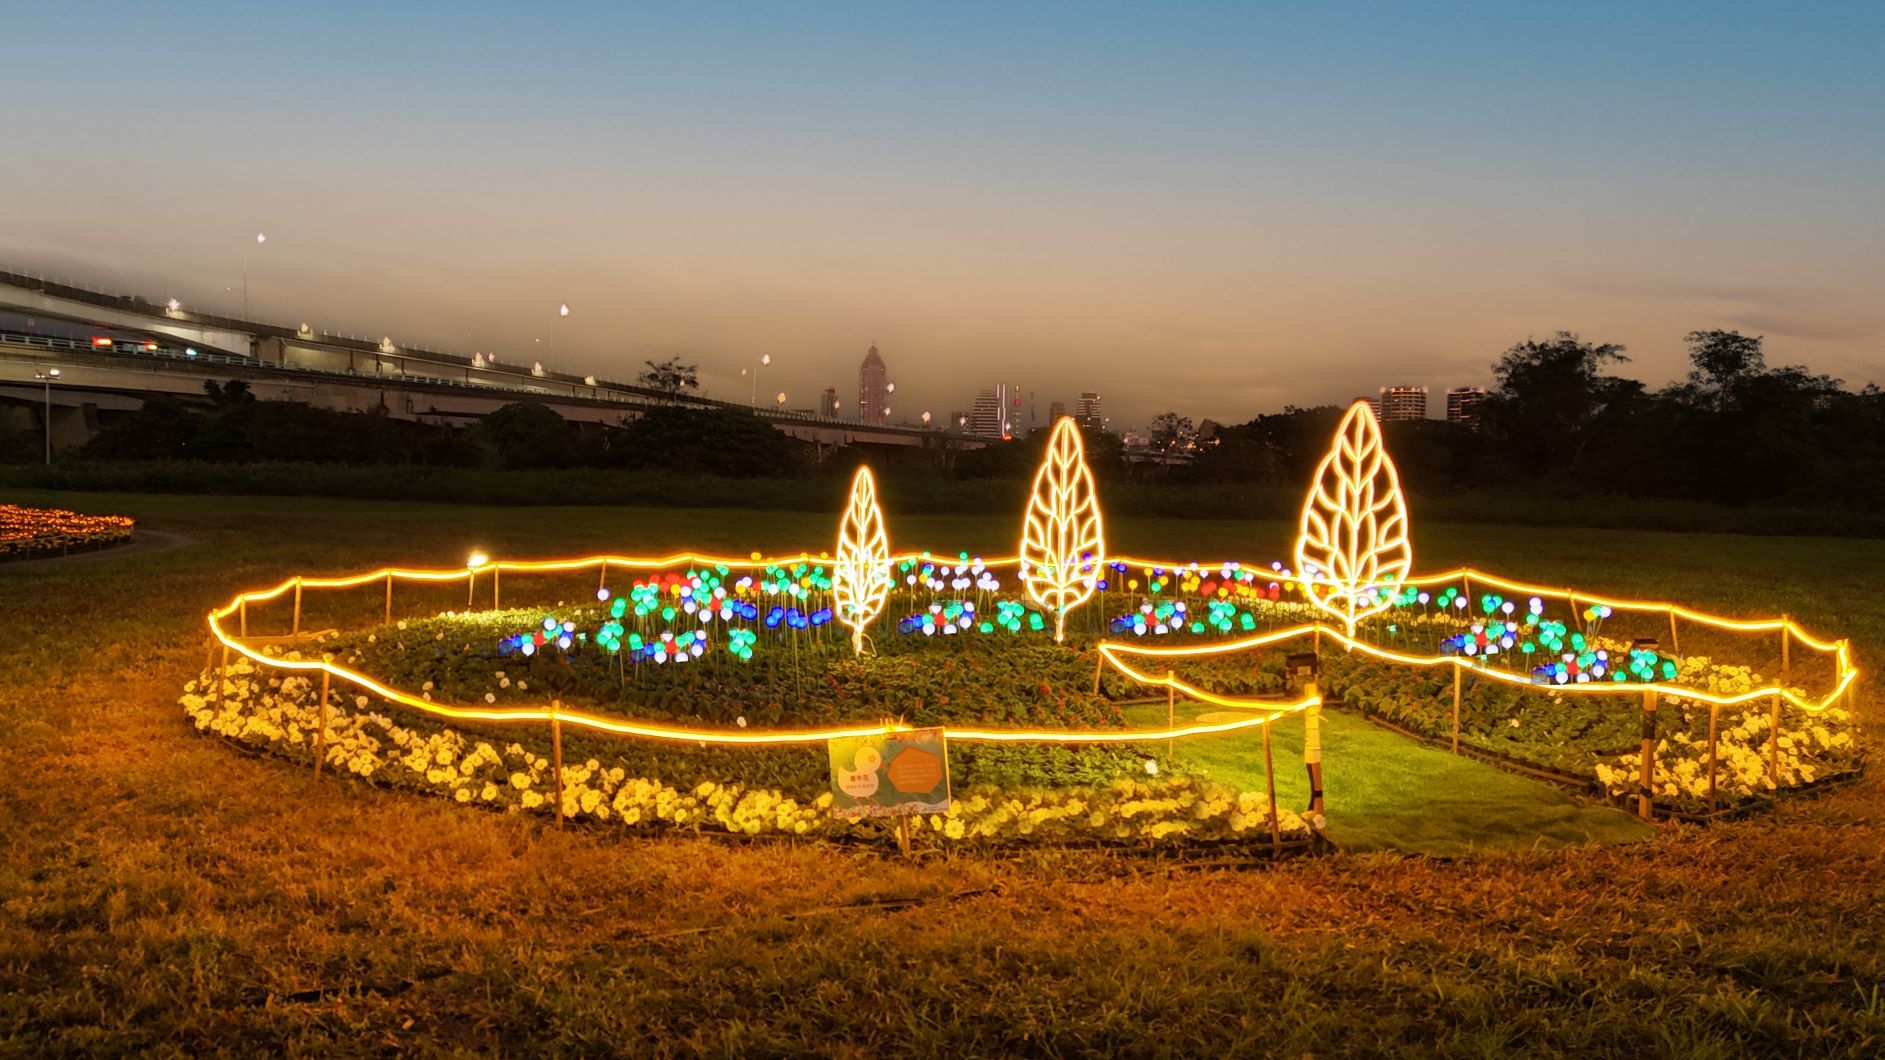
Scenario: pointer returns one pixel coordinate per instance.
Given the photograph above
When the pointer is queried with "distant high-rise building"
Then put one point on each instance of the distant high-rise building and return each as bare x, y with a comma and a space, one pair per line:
1056, 410
1374, 406
1402, 403
996, 410
873, 389
1087, 411
1462, 404
959, 420
828, 404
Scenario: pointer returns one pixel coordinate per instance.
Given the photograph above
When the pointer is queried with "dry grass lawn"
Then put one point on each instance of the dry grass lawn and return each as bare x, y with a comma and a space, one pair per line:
163, 892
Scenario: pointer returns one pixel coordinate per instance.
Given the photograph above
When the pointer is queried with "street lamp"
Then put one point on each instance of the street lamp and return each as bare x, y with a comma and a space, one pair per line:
47, 377
562, 310
260, 238
753, 374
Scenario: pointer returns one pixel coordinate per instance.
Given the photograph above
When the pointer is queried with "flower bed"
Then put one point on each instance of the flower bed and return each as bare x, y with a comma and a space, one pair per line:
279, 714
29, 533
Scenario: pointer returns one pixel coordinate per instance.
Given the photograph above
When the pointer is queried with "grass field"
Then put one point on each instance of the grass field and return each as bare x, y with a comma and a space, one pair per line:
164, 892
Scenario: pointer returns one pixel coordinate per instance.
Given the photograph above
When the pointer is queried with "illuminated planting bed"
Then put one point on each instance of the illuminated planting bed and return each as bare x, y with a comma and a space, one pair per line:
698, 691
29, 533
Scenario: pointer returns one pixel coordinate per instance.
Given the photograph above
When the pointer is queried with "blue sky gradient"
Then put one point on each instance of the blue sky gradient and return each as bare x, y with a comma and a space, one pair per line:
1215, 208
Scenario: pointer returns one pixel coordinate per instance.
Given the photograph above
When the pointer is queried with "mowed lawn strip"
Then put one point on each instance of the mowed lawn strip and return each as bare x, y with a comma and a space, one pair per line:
165, 892
1384, 791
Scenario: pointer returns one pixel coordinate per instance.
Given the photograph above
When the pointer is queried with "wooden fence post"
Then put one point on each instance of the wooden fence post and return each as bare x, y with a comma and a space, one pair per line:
320, 734
1714, 716
222, 677
1456, 708
1171, 708
556, 755
1773, 748
1646, 788
1269, 780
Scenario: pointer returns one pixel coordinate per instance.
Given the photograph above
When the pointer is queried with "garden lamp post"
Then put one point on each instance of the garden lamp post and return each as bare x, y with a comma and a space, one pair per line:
47, 377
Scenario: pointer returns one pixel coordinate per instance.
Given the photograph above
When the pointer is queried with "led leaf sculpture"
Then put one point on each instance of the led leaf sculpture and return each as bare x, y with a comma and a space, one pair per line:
861, 574
1061, 539
1352, 548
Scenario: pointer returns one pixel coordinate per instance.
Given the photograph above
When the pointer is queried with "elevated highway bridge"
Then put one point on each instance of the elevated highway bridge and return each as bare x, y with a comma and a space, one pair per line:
130, 349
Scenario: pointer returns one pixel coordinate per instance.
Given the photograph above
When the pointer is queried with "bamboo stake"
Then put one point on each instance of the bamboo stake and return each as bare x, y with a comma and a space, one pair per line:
1675, 641
242, 609
497, 600
389, 598
556, 753
471, 584
1269, 780
297, 626
1456, 708
1714, 716
602, 580
903, 835
320, 734
1646, 788
1098, 661
1786, 645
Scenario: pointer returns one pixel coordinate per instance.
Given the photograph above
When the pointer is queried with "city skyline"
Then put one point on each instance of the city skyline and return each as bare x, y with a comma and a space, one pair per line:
1212, 192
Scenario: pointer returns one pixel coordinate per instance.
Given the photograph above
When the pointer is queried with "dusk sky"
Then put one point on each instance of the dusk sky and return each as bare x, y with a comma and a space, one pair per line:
1219, 210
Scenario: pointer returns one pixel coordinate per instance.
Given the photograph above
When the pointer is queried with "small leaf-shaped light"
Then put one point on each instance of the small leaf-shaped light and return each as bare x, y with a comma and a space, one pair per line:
1062, 542
861, 575
1352, 549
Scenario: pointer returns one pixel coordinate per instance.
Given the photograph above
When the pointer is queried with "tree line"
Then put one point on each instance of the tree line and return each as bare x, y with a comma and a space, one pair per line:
1560, 421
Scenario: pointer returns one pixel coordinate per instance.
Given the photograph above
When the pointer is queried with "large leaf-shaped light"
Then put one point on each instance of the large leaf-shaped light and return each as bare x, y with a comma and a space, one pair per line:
861, 573
1352, 548
1062, 541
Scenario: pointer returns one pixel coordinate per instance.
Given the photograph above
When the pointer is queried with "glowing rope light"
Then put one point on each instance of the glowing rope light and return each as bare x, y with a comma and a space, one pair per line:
1353, 533
1062, 542
1840, 649
1113, 651
861, 578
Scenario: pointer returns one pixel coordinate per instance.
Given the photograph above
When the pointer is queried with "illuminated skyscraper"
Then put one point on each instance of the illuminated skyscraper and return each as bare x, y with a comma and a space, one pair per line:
1462, 404
1056, 410
996, 410
873, 389
1402, 403
1088, 413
